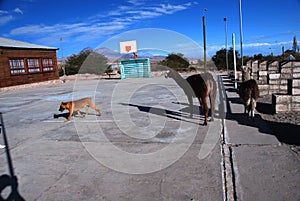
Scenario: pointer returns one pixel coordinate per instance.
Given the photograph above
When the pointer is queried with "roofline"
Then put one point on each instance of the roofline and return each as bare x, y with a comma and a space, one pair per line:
29, 48
16, 44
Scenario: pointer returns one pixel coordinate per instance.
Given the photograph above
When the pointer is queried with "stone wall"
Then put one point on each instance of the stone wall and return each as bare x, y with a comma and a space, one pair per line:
289, 101
281, 79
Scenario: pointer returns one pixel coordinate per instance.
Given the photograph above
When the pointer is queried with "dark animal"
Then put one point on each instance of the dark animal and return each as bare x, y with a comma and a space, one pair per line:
249, 93
200, 86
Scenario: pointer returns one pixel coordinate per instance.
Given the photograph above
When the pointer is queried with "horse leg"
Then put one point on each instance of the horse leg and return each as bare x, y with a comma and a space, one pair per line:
205, 108
190, 99
212, 99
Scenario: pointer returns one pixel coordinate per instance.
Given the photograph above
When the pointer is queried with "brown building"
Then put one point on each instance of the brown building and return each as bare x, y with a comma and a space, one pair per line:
24, 63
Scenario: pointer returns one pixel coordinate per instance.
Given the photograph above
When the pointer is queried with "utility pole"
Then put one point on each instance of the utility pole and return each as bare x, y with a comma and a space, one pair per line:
226, 43
204, 37
241, 31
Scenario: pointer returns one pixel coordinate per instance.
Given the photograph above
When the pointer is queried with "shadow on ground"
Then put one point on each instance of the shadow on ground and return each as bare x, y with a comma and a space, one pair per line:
285, 132
182, 115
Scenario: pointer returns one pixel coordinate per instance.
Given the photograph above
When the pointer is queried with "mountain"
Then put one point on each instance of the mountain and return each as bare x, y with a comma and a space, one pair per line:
109, 54
113, 56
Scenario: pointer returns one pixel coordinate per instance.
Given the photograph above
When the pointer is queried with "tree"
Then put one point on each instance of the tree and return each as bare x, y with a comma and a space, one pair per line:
87, 61
220, 59
258, 57
94, 63
175, 61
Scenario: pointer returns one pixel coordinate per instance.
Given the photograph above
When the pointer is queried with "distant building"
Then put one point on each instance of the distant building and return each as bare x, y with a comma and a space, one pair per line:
24, 63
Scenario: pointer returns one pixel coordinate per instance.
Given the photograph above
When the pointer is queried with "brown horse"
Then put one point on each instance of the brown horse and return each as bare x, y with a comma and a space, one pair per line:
249, 93
201, 86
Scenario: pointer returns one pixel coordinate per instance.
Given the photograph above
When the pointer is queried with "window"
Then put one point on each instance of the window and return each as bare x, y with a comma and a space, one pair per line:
47, 65
33, 65
16, 66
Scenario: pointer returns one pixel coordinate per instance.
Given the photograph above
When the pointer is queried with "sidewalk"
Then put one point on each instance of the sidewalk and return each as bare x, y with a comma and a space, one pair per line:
261, 167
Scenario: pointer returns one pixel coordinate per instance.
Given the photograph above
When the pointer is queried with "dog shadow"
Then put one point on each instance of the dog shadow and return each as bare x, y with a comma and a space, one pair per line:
64, 115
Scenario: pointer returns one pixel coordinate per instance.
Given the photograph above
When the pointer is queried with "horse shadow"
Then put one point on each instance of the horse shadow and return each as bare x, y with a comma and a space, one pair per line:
180, 115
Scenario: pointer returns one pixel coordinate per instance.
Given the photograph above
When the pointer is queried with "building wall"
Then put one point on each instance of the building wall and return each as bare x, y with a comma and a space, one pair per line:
44, 72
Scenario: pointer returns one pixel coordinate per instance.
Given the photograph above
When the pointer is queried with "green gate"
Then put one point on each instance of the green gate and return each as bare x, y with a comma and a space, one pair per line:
135, 68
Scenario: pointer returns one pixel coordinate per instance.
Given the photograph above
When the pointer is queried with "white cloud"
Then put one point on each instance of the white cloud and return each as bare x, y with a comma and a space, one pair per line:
170, 9
97, 26
5, 19
136, 2
2, 12
18, 10
249, 45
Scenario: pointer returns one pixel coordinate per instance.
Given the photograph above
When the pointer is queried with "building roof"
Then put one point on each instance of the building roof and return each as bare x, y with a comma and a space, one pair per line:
9, 43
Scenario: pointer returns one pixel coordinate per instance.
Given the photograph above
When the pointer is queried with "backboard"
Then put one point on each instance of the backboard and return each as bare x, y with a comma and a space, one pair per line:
128, 47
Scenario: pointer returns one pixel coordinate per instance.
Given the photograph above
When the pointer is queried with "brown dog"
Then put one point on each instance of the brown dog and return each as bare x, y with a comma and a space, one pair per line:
77, 105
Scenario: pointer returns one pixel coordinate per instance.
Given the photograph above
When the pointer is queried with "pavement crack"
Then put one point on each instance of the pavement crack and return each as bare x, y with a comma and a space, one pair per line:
228, 175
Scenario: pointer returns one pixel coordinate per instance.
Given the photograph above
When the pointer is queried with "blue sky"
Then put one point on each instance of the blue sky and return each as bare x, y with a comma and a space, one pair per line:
267, 25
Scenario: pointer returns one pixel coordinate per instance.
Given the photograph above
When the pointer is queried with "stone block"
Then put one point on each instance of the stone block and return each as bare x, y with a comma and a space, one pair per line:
295, 91
273, 66
283, 82
287, 64
274, 76
262, 73
283, 99
264, 92
286, 76
282, 108
274, 82
263, 66
295, 107
283, 87
295, 83
296, 69
286, 70
281, 103
296, 75
296, 99
262, 80
274, 89
264, 87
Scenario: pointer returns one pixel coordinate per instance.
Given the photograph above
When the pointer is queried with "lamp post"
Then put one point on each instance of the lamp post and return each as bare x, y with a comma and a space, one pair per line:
62, 57
204, 37
226, 43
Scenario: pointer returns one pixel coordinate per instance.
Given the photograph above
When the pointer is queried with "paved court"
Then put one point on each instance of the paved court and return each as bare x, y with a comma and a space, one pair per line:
145, 146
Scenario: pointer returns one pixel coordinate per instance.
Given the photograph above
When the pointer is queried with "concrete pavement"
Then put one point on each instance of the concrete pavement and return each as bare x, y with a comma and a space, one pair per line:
171, 157
103, 158
261, 167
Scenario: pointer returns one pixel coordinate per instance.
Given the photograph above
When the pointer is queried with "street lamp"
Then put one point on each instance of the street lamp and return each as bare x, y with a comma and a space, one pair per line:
226, 43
